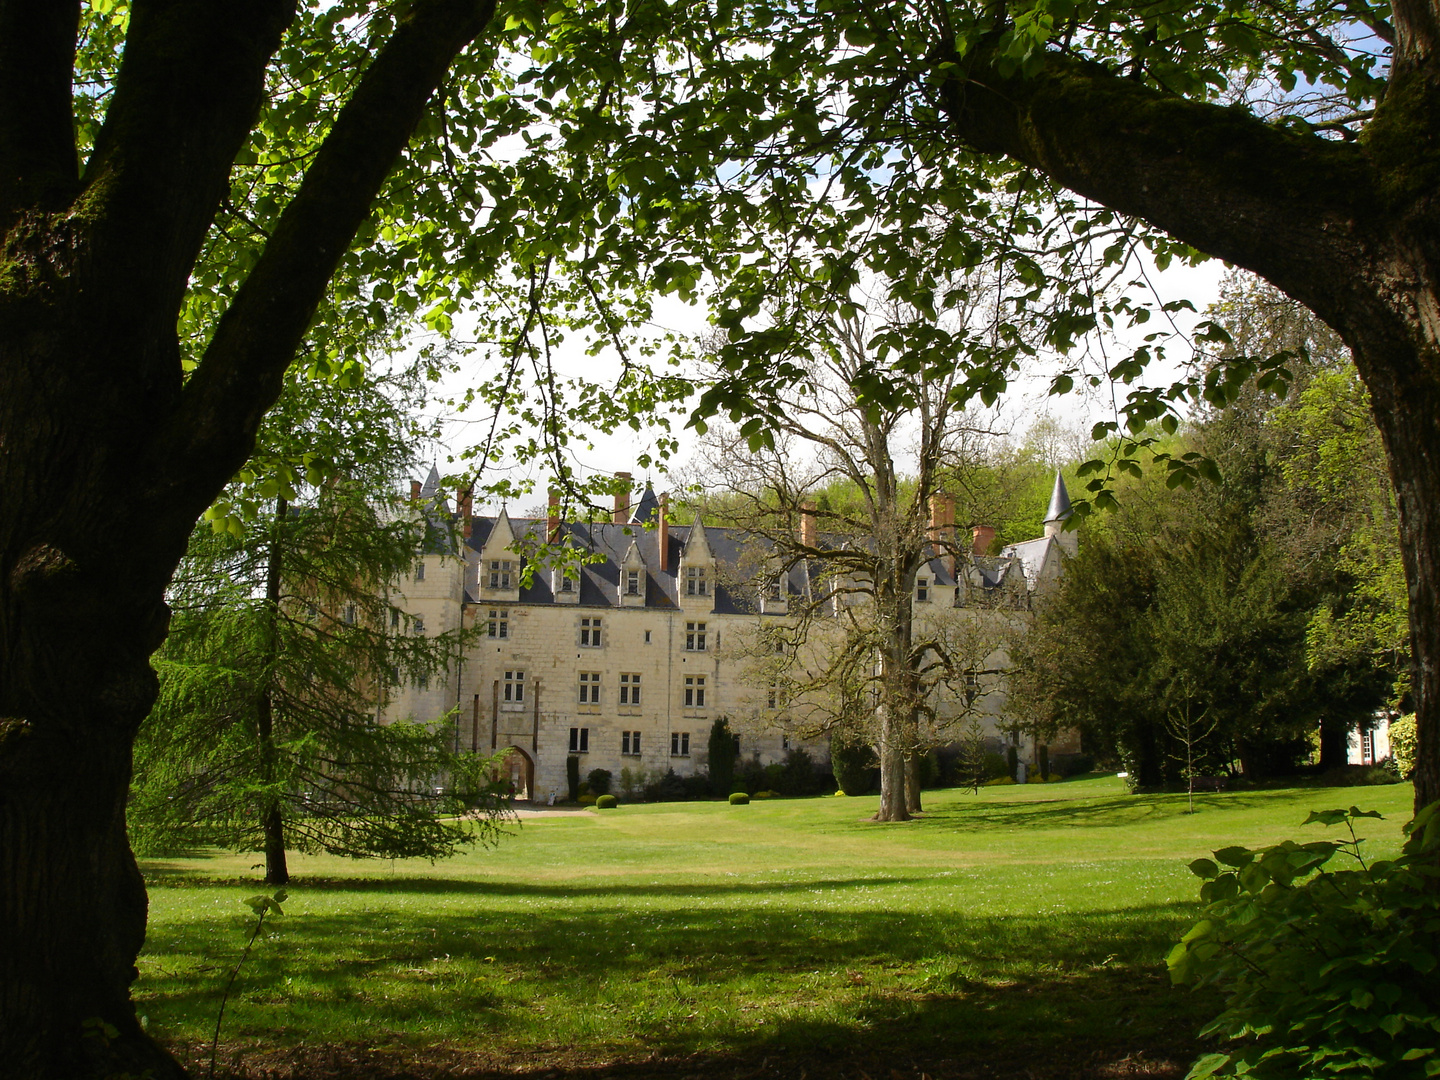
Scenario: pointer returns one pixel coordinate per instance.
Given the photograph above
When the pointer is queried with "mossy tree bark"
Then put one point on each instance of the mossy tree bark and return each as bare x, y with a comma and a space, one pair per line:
1351, 230
107, 456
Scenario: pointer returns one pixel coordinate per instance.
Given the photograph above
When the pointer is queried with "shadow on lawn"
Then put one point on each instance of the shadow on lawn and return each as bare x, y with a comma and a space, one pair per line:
158, 876
678, 981
1115, 812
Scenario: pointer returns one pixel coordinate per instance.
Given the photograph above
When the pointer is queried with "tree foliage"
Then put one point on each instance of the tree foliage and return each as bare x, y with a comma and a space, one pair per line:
1326, 971
265, 735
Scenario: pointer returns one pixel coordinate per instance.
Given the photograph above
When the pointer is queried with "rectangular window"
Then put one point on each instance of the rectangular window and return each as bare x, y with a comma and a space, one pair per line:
772, 694
514, 686
694, 691
579, 740
422, 681
589, 688
1367, 747
394, 618
501, 571
630, 743
696, 584
972, 687
922, 590
632, 582
419, 625
350, 614
647, 637
567, 583
679, 744
498, 625
784, 742
590, 633
420, 570
629, 688
694, 637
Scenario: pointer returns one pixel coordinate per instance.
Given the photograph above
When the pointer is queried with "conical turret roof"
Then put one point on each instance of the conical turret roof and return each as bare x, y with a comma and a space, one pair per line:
1059, 508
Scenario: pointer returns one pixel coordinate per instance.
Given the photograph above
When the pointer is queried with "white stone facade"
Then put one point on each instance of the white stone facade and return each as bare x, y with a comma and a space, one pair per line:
626, 663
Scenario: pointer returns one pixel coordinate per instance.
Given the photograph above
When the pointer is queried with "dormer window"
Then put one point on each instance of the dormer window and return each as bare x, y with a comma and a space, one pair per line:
922, 590
567, 583
632, 582
501, 573
696, 584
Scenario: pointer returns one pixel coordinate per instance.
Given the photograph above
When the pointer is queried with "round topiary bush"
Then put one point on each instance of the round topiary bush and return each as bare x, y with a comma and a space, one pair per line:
605, 802
739, 798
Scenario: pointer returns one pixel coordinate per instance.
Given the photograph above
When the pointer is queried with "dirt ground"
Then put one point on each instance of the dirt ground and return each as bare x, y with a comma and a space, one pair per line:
1098, 1062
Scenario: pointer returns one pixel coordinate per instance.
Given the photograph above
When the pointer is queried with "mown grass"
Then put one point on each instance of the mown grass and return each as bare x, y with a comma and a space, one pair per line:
1033, 917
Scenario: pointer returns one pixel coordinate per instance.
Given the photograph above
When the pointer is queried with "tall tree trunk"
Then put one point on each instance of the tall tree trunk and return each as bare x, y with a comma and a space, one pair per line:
891, 751
1349, 229
277, 871
108, 453
912, 783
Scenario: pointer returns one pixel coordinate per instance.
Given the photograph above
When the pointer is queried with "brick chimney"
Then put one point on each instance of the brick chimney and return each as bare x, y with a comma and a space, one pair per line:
622, 500
552, 519
942, 528
662, 532
807, 524
414, 490
464, 507
981, 537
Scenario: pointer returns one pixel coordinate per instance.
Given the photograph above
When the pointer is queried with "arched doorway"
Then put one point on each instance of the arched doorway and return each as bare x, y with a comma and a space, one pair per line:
518, 774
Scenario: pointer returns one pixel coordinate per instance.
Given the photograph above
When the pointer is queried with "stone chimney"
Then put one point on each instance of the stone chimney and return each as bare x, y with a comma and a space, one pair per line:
981, 537
414, 490
552, 519
662, 532
942, 528
807, 524
622, 500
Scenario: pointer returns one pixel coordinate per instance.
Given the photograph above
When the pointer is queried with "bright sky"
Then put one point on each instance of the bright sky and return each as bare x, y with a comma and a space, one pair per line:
1026, 402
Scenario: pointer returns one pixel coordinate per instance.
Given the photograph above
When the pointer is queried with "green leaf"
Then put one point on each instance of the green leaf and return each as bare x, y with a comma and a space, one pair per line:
1204, 868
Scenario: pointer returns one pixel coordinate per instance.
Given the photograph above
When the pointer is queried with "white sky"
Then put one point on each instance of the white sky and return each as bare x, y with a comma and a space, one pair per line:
1026, 402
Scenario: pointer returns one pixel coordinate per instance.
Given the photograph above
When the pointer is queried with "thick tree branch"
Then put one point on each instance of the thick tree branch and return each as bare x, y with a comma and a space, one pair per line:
38, 167
189, 88
1288, 205
241, 373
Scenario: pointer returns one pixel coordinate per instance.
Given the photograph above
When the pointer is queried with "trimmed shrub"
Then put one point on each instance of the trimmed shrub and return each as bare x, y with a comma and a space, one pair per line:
929, 770
572, 776
722, 757
999, 781
1402, 745
797, 774
1359, 776
605, 802
599, 781
695, 787
1072, 764
994, 765
766, 795
587, 799
1326, 972
739, 798
666, 788
854, 765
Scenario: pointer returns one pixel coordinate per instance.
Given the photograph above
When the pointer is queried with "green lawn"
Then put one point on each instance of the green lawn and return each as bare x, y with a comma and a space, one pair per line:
1023, 923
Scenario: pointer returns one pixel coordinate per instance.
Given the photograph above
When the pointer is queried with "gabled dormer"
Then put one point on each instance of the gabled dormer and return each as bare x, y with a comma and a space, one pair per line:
774, 588
632, 585
695, 581
499, 576
565, 583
